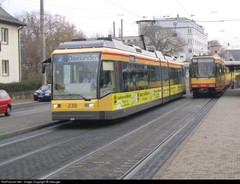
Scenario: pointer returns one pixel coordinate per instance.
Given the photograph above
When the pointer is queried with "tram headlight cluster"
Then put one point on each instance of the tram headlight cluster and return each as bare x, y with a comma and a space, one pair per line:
89, 105
55, 106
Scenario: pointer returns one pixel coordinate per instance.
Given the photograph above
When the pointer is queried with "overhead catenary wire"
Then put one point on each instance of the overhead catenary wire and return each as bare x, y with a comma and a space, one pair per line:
123, 8
227, 20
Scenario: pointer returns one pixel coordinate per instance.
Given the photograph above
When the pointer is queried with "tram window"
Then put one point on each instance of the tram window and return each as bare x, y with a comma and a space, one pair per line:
134, 77
219, 69
154, 76
141, 77
129, 75
164, 73
58, 77
125, 77
193, 70
157, 73
171, 74
133, 74
107, 78
179, 75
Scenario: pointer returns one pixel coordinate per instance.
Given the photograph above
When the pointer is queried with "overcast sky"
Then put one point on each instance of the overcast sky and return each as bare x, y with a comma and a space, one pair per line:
220, 19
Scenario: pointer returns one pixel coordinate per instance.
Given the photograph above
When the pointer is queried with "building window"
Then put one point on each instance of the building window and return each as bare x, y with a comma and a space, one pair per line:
189, 31
4, 35
190, 41
190, 51
5, 68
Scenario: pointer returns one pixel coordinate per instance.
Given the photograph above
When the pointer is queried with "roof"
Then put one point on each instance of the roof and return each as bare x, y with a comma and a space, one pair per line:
235, 53
112, 43
5, 17
104, 42
232, 63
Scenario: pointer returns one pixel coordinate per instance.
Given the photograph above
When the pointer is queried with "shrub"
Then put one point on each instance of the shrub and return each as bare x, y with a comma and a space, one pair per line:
21, 86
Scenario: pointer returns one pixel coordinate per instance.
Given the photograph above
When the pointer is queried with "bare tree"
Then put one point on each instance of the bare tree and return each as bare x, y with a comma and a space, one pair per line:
216, 48
164, 40
224, 54
1, 2
57, 30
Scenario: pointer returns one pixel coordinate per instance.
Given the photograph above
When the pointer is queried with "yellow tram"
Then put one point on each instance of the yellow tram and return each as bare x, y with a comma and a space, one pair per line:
208, 75
122, 80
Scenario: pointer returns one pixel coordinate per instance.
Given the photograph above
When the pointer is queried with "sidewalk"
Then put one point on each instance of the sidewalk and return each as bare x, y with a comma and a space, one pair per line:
17, 124
19, 101
213, 150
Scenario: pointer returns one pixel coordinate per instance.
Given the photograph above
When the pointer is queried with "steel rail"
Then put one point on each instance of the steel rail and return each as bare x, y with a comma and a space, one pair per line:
143, 169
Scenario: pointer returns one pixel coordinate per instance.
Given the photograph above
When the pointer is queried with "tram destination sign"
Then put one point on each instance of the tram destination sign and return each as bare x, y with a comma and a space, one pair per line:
78, 57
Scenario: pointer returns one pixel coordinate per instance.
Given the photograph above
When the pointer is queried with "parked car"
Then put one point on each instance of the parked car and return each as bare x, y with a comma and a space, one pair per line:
43, 93
5, 103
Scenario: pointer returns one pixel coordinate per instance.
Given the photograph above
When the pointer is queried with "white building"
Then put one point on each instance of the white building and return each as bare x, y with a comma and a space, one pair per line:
10, 63
189, 30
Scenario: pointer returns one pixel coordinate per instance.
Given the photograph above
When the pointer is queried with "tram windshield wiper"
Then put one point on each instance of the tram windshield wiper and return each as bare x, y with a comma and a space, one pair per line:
71, 95
76, 94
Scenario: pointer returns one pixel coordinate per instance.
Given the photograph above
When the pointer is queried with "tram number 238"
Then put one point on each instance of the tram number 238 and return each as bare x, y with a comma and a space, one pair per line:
72, 105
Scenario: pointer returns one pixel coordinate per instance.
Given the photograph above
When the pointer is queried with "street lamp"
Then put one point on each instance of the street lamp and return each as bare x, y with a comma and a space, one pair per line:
44, 75
175, 26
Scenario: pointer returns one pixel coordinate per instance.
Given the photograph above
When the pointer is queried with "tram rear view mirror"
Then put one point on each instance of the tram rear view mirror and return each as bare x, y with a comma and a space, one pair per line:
44, 68
45, 64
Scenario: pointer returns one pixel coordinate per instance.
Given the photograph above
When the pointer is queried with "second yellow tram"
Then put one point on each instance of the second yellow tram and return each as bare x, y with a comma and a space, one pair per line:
208, 75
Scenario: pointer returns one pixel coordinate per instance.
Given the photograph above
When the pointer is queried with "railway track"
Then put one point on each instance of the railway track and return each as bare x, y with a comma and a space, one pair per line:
133, 148
150, 164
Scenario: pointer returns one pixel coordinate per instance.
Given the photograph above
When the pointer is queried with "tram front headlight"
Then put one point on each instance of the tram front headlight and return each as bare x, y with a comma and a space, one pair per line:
89, 105
55, 106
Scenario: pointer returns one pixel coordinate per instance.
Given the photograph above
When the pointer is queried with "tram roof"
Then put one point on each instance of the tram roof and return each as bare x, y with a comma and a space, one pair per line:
112, 43
232, 63
104, 42
207, 56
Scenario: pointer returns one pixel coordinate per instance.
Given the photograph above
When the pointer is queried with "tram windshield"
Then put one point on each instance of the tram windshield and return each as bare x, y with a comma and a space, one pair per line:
203, 68
75, 75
